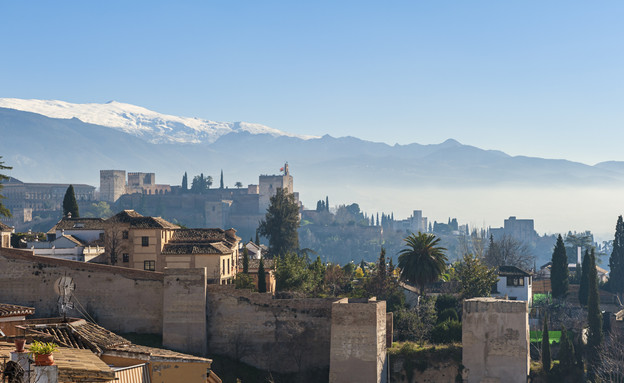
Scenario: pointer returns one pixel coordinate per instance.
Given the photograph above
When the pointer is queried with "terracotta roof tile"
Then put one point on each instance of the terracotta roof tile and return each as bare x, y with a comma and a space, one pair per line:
138, 221
7, 310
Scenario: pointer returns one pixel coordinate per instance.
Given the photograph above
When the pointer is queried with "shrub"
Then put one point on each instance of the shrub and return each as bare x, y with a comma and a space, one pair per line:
447, 332
448, 314
40, 348
445, 301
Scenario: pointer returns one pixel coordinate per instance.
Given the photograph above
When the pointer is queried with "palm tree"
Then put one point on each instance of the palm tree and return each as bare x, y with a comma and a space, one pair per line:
422, 261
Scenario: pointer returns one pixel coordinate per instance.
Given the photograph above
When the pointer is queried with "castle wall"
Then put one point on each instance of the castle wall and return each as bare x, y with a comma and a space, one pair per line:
120, 299
282, 335
495, 337
112, 184
184, 310
358, 341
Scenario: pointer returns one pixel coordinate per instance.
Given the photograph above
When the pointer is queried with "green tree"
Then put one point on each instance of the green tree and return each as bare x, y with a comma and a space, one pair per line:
584, 286
559, 272
281, 223
257, 242
545, 347
3, 210
238, 184
594, 319
566, 351
185, 182
292, 273
475, 278
423, 260
245, 260
616, 261
261, 277
221, 186
70, 205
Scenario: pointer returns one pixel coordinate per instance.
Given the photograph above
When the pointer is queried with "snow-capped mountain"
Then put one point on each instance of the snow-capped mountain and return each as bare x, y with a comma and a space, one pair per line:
151, 126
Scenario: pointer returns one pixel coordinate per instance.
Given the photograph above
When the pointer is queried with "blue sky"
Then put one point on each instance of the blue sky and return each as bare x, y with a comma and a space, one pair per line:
534, 78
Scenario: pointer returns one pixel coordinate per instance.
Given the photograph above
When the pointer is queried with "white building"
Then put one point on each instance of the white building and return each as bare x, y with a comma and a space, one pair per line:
514, 283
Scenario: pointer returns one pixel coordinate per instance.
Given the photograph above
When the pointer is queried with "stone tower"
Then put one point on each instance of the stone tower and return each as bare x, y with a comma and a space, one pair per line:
112, 184
269, 184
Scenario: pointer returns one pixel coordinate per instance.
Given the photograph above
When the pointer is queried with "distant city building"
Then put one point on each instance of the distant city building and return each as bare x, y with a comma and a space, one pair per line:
269, 185
112, 184
521, 229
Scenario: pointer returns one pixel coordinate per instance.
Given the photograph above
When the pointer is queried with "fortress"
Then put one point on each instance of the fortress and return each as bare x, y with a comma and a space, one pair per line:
343, 337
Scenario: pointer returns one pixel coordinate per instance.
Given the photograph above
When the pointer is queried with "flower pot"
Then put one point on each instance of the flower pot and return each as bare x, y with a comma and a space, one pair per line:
19, 344
44, 360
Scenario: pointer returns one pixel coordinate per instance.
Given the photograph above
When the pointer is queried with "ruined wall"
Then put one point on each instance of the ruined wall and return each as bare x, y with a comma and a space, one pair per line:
281, 335
120, 299
184, 310
495, 337
358, 341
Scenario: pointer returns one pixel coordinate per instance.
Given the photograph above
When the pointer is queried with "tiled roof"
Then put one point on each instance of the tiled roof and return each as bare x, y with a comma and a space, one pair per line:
512, 271
80, 334
74, 365
77, 334
4, 227
74, 240
7, 310
255, 263
203, 248
138, 221
79, 224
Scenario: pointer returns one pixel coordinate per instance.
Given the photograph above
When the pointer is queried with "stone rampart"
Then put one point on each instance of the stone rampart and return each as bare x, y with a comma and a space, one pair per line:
184, 310
120, 299
281, 335
495, 337
358, 341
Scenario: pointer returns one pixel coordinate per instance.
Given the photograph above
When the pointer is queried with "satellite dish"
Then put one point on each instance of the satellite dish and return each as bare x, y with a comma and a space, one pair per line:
64, 287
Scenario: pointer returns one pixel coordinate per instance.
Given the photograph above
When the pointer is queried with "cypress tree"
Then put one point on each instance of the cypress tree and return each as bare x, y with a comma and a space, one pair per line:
185, 182
221, 182
546, 347
261, 277
616, 261
327, 203
70, 205
559, 273
594, 318
584, 287
566, 351
257, 238
245, 261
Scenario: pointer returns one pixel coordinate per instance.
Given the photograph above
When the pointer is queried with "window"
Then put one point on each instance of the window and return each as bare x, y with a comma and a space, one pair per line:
515, 281
124, 234
228, 269
223, 269
144, 241
126, 257
149, 265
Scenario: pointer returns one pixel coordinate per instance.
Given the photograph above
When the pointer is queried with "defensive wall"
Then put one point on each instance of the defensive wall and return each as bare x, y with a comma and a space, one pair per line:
281, 335
495, 338
120, 299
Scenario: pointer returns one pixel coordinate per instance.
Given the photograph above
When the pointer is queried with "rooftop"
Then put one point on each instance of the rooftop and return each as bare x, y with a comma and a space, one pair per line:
512, 271
138, 221
78, 224
4, 227
7, 310
74, 365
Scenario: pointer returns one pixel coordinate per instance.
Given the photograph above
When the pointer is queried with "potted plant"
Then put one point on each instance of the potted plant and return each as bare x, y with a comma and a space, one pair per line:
42, 353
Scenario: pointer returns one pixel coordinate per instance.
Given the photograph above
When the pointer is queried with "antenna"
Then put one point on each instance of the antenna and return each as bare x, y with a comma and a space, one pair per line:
64, 287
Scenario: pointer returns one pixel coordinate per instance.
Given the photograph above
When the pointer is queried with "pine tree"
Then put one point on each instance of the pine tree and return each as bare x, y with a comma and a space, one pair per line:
584, 287
261, 277
221, 182
70, 205
377, 219
545, 347
184, 182
559, 272
616, 261
566, 351
245, 260
594, 318
281, 223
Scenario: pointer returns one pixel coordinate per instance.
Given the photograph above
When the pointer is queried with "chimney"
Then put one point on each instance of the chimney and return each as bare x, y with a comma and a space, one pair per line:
69, 215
